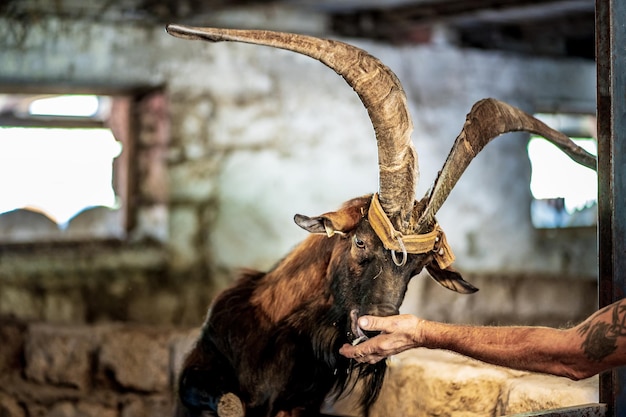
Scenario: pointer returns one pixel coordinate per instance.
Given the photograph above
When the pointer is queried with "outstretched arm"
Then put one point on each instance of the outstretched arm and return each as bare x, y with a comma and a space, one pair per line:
595, 345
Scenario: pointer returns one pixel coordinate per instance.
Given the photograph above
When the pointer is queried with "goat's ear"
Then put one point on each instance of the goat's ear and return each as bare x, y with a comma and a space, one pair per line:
319, 224
450, 279
339, 222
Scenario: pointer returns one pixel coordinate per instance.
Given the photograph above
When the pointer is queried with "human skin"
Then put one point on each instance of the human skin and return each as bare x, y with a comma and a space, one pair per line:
593, 346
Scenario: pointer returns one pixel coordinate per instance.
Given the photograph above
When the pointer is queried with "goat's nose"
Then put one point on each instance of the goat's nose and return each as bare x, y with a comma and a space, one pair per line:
382, 310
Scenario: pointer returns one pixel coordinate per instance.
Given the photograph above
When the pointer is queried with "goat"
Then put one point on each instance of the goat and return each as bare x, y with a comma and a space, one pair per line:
269, 346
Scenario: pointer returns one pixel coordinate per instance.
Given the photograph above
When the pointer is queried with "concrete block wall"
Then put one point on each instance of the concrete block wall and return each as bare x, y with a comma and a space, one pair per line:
114, 370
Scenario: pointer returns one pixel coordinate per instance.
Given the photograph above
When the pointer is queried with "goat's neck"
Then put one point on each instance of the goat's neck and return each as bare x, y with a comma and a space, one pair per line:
299, 278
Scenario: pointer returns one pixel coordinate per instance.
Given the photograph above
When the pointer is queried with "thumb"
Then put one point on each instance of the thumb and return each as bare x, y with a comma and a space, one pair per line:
371, 323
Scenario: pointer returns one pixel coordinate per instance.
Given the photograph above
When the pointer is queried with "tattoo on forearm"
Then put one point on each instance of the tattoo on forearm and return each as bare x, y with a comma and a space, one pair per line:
600, 338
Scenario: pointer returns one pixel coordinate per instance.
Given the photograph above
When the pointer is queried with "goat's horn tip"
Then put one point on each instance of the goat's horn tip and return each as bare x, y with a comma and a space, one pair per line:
179, 31
190, 32
173, 28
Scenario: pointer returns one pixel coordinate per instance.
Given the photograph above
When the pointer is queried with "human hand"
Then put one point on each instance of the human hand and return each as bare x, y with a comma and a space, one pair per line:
398, 333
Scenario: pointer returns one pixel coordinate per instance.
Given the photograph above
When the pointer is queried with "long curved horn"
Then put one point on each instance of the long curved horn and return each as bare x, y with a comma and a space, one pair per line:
488, 119
380, 92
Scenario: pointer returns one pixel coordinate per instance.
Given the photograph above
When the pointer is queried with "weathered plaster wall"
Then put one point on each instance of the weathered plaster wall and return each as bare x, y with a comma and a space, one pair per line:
257, 135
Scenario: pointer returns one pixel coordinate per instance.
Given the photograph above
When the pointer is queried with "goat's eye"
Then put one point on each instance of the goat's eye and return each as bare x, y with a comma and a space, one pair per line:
358, 242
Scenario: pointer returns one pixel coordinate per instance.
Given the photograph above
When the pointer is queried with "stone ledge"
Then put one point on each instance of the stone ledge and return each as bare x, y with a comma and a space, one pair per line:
423, 382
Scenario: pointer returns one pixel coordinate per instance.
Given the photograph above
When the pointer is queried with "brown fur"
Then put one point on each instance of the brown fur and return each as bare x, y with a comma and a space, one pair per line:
272, 339
294, 282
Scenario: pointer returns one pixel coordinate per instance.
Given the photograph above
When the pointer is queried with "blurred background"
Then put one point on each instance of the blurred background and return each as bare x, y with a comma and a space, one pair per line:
139, 172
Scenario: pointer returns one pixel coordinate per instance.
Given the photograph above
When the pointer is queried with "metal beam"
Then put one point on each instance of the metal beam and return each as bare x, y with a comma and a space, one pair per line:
611, 105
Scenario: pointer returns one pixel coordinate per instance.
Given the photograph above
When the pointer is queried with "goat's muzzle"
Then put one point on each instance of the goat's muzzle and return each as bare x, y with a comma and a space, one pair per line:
359, 335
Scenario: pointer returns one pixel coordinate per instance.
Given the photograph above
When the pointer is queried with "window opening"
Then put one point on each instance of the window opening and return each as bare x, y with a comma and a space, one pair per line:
564, 192
69, 106
59, 172
57, 156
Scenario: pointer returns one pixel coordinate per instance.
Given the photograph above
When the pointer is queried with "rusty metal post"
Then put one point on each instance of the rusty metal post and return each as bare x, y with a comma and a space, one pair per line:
611, 107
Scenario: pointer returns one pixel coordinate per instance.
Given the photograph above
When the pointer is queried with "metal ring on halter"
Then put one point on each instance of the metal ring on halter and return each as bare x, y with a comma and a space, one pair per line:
404, 255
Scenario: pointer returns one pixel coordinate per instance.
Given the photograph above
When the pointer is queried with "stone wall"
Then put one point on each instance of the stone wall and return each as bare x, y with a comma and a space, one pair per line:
252, 140
439, 383
97, 371
113, 370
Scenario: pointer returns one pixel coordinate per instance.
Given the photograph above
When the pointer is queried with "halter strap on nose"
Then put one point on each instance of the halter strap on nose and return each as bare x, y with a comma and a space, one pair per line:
393, 240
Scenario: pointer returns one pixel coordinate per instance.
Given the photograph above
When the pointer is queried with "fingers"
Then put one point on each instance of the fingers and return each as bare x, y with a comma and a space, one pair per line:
368, 351
398, 333
360, 354
349, 351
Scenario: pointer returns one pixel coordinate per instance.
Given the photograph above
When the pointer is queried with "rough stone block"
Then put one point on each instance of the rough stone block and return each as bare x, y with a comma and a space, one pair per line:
9, 407
136, 359
184, 226
534, 392
193, 180
59, 355
152, 223
19, 302
12, 345
151, 406
180, 347
154, 307
81, 409
422, 384
65, 306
